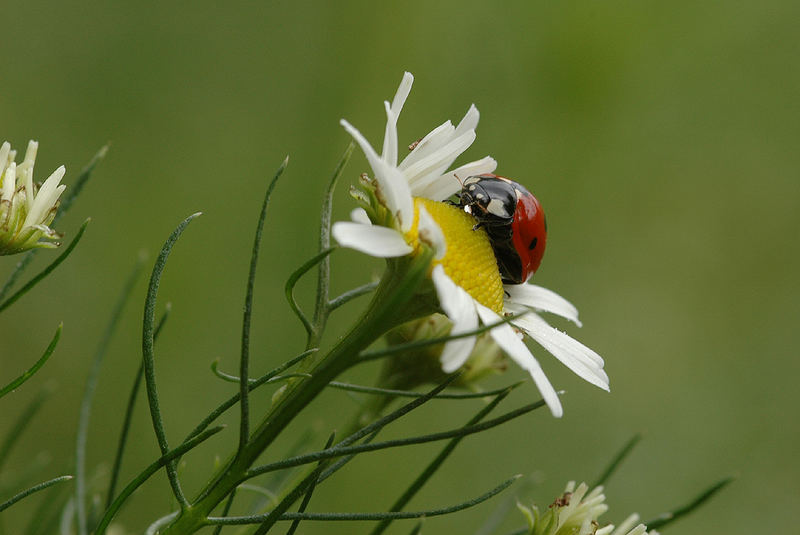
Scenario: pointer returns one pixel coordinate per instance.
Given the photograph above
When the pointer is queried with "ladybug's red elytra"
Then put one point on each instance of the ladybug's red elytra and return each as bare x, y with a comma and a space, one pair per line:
513, 219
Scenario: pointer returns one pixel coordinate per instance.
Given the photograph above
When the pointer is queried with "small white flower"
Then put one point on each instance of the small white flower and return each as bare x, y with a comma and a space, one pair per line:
26, 208
407, 208
577, 512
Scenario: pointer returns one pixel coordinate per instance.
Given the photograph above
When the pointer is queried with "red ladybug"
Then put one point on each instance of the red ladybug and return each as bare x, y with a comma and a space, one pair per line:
513, 219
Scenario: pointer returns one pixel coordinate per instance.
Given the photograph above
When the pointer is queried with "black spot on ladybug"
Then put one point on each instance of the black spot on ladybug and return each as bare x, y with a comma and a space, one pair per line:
533, 244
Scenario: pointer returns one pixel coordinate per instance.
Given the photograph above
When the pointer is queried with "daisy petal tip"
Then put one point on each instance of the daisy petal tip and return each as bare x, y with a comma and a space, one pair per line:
451, 364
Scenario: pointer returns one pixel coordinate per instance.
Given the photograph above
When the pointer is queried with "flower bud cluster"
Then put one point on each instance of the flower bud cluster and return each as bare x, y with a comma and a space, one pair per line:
26, 207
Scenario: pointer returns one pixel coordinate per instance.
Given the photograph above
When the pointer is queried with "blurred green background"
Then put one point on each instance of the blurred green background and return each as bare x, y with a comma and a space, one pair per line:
662, 139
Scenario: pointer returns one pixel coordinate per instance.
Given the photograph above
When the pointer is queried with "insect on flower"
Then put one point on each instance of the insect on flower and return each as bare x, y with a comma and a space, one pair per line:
513, 219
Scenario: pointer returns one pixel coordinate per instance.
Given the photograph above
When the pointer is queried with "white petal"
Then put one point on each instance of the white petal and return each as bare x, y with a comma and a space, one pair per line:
470, 120
359, 215
509, 342
459, 307
390, 137
392, 184
537, 320
587, 364
25, 170
46, 197
9, 182
402, 93
429, 169
450, 182
5, 149
30, 154
373, 240
478, 167
627, 524
396, 194
369, 152
433, 140
430, 233
542, 299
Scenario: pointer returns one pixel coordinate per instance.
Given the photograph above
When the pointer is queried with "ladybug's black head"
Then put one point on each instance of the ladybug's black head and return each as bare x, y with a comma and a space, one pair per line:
490, 199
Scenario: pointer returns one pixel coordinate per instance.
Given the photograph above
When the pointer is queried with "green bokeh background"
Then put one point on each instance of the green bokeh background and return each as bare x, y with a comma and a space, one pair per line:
661, 137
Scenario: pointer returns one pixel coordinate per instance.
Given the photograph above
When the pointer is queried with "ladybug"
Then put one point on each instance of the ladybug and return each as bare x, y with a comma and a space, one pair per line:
513, 219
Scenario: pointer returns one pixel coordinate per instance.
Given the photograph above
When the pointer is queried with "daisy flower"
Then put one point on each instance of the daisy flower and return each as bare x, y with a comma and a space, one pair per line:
404, 210
576, 512
26, 208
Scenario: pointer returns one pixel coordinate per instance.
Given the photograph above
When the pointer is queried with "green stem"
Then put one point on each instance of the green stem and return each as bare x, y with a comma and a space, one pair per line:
391, 306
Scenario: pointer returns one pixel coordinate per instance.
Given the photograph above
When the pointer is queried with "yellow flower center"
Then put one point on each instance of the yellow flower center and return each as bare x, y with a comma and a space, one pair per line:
469, 260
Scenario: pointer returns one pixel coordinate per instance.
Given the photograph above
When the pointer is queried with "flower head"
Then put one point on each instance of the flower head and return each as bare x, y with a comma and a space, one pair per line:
576, 512
26, 208
403, 210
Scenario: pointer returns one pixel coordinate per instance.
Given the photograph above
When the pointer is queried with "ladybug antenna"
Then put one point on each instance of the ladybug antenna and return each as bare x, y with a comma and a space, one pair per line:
459, 180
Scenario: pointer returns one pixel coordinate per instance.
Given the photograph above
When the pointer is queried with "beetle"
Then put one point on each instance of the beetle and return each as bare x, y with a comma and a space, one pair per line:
513, 219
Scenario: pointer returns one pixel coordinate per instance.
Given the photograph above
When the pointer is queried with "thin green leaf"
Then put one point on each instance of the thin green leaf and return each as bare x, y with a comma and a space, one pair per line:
230, 402
667, 518
413, 394
13, 385
417, 529
77, 188
322, 308
244, 361
155, 527
237, 520
401, 348
46, 271
66, 202
41, 486
149, 356
235, 379
434, 465
369, 389
126, 422
263, 492
145, 474
19, 269
338, 465
349, 295
305, 486
47, 513
92, 379
292, 282
338, 451
21, 423
617, 460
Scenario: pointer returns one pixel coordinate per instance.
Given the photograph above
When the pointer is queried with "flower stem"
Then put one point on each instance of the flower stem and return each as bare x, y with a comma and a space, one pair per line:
391, 305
